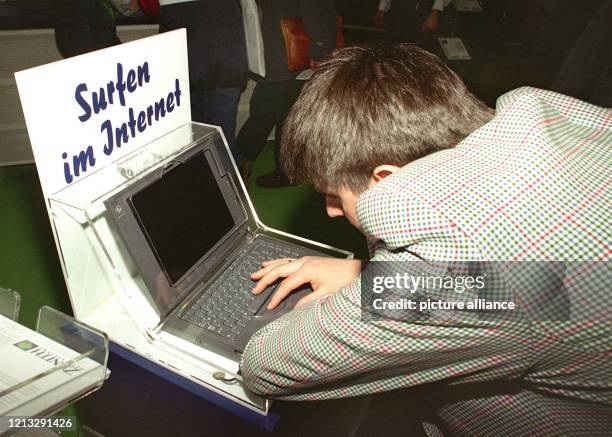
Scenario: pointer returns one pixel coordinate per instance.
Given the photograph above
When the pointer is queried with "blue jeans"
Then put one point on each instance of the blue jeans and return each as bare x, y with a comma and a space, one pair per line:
218, 106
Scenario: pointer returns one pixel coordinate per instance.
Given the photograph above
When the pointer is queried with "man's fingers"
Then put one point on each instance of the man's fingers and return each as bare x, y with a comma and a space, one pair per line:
286, 287
268, 266
273, 273
265, 280
277, 261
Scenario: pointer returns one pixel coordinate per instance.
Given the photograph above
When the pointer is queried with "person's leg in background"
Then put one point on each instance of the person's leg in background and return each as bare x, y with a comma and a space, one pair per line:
290, 92
218, 106
262, 117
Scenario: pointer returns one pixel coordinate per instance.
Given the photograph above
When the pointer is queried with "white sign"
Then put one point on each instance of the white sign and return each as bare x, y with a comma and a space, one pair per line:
85, 112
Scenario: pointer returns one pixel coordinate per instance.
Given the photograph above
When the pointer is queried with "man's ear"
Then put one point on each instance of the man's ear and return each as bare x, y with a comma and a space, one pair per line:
382, 171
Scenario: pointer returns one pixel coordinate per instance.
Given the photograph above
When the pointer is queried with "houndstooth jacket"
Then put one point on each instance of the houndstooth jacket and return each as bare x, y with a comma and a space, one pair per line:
532, 184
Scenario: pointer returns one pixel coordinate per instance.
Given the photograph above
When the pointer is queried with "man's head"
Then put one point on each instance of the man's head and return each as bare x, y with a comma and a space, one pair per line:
375, 106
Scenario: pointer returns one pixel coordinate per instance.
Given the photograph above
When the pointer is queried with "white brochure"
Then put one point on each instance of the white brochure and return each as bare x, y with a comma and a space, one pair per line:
36, 372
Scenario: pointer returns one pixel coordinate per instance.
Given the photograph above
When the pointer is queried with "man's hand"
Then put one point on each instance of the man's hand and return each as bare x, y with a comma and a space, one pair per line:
432, 22
134, 6
379, 19
325, 276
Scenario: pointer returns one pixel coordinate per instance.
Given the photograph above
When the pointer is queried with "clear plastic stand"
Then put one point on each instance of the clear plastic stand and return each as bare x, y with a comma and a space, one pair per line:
10, 303
108, 290
45, 370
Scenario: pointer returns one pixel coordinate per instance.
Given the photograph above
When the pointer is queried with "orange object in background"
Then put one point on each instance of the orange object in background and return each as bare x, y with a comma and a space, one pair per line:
149, 7
297, 42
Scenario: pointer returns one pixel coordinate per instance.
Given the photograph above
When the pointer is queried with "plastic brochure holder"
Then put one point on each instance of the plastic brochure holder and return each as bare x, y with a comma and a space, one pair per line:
77, 353
10, 303
107, 291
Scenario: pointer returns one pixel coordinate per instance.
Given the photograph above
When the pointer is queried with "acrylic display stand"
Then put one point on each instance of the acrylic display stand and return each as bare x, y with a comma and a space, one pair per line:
77, 352
10, 303
107, 291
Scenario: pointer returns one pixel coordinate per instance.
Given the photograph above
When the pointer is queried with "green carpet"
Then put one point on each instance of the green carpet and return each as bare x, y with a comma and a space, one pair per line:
29, 262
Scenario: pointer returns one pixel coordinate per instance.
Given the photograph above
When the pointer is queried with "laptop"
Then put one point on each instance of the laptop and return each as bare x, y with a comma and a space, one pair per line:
187, 228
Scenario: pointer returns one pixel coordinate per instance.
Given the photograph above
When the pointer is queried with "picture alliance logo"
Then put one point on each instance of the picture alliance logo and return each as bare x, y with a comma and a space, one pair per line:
46, 355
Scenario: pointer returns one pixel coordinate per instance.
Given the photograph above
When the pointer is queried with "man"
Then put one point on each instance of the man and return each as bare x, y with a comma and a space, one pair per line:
428, 173
274, 94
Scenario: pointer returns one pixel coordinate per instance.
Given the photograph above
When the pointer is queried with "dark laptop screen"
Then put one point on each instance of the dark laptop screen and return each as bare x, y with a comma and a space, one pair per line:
183, 215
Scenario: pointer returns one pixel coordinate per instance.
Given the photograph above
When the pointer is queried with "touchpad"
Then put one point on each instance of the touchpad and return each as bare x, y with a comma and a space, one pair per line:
286, 305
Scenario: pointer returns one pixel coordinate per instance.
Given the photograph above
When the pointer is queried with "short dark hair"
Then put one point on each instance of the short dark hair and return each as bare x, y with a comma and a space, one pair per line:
372, 105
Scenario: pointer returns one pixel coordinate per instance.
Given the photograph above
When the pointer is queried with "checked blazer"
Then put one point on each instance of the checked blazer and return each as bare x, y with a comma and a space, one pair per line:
531, 185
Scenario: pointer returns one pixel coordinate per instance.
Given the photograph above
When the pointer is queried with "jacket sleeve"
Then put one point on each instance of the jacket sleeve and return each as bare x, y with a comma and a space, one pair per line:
327, 350
321, 25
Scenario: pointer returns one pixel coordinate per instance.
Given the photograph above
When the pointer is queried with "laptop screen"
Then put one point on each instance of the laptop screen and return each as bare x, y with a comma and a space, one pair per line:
178, 222
183, 215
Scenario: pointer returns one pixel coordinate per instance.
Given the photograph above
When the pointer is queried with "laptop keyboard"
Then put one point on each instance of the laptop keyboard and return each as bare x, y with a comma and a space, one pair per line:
228, 305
